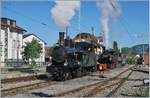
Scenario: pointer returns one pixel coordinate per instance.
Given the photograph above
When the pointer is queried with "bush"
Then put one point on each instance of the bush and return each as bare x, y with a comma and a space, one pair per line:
33, 64
131, 61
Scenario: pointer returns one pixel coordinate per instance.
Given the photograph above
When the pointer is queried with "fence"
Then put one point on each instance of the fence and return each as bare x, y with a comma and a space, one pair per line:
21, 66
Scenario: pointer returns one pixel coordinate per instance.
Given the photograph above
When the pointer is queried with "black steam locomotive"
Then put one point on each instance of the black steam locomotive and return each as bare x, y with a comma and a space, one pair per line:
110, 57
76, 59
72, 62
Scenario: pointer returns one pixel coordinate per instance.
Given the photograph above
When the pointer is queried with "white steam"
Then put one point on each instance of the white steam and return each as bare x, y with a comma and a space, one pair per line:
108, 8
63, 11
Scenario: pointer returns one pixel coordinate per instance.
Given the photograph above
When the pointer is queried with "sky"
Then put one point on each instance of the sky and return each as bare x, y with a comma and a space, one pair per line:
128, 29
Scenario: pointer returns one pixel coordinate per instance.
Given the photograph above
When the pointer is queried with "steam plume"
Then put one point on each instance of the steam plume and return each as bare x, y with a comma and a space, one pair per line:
108, 8
63, 11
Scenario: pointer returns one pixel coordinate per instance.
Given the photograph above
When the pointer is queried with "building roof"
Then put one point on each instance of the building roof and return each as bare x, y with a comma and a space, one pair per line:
27, 35
101, 38
86, 37
13, 28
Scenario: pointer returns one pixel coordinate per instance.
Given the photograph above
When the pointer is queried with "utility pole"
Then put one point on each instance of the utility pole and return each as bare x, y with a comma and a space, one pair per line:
79, 19
143, 49
92, 29
142, 36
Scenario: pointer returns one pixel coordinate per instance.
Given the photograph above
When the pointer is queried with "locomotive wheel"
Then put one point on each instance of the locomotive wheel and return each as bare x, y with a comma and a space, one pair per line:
94, 68
84, 72
74, 74
66, 76
79, 72
57, 73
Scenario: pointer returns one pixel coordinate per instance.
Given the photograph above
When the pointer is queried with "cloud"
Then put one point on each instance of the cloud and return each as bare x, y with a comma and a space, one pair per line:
63, 12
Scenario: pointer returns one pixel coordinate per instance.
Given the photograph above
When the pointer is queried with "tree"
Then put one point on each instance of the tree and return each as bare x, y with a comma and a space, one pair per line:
115, 46
32, 50
125, 50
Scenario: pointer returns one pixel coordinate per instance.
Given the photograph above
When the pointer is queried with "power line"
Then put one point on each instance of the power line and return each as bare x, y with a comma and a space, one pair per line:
43, 23
34, 20
27, 17
123, 20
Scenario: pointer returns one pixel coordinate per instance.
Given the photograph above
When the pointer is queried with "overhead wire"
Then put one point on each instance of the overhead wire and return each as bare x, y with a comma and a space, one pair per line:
122, 21
29, 18
39, 22
19, 13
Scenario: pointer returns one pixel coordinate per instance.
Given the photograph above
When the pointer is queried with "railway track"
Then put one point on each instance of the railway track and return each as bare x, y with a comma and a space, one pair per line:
119, 86
33, 82
13, 86
25, 78
90, 89
15, 90
93, 89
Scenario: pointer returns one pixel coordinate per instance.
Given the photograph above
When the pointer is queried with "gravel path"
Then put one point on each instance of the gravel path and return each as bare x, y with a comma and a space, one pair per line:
60, 87
132, 87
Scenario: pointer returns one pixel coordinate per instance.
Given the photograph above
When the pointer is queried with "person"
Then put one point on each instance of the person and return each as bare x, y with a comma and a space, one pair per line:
103, 61
124, 60
119, 60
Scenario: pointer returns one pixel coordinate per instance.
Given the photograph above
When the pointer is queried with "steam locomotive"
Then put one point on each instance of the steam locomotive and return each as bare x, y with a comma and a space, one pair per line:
72, 59
69, 62
77, 60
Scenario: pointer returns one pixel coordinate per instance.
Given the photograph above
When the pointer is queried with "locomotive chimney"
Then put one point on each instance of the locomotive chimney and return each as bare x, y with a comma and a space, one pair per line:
61, 38
66, 32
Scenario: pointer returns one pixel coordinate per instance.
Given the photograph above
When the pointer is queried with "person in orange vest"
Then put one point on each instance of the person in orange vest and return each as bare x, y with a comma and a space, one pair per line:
103, 64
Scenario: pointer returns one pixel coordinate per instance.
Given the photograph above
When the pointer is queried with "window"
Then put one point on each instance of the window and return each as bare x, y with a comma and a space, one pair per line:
82, 37
0, 49
18, 43
10, 35
8, 22
13, 44
14, 23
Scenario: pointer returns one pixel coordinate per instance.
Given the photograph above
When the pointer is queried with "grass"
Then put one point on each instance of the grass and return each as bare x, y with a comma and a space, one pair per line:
146, 92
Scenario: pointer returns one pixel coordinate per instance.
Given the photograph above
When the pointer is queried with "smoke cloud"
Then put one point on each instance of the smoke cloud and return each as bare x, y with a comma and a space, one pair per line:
108, 8
63, 12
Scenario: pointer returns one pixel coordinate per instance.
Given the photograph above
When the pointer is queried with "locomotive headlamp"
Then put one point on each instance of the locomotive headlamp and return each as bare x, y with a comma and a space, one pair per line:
66, 63
78, 63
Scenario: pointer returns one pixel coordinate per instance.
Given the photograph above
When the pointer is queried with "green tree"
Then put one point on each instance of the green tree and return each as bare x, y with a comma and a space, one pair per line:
32, 50
115, 46
125, 50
